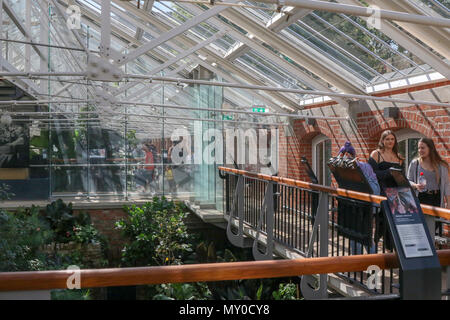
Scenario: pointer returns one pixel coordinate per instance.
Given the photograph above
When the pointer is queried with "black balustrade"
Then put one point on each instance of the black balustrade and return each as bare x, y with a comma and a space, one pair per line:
354, 227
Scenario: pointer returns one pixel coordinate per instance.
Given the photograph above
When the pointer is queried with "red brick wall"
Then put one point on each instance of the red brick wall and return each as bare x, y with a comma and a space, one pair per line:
431, 121
104, 221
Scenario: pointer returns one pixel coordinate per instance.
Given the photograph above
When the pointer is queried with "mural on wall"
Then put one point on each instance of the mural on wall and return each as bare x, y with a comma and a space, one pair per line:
14, 145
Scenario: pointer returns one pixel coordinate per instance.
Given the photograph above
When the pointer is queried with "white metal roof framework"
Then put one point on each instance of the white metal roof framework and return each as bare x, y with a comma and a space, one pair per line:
285, 52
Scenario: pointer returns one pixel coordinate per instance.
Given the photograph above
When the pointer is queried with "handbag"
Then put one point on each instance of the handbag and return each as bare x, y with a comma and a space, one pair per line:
169, 174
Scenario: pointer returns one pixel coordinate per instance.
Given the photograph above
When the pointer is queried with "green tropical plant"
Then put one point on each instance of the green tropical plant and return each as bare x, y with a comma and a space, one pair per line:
22, 234
76, 294
4, 192
182, 291
63, 222
86, 234
250, 289
286, 291
156, 233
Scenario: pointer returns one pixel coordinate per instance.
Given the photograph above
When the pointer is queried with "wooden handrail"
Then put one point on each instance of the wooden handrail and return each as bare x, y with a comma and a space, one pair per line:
429, 210
45, 280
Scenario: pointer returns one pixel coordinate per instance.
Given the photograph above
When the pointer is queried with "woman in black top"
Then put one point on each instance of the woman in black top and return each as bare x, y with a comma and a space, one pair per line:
384, 157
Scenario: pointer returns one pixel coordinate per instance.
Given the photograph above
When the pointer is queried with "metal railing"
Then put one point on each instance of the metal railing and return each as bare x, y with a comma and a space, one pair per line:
352, 223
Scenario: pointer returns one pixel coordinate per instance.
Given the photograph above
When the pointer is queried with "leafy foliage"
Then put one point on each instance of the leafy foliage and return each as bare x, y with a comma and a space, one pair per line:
25, 233
4, 194
156, 232
21, 236
64, 223
182, 291
75, 294
249, 289
86, 234
286, 291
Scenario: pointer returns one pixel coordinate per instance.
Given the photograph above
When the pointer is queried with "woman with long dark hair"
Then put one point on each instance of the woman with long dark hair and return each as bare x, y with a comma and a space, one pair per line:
434, 169
383, 158
436, 190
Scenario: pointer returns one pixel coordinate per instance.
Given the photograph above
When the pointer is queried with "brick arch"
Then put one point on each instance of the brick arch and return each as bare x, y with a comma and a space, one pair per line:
307, 132
292, 148
430, 121
408, 119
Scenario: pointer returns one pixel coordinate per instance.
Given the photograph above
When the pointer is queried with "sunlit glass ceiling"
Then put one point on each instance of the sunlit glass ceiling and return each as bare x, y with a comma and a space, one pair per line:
354, 52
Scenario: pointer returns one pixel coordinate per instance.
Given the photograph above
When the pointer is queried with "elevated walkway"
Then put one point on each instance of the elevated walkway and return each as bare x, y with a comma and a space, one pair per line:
293, 219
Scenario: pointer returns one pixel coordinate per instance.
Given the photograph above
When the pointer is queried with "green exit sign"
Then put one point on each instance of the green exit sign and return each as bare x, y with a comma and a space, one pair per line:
259, 109
225, 117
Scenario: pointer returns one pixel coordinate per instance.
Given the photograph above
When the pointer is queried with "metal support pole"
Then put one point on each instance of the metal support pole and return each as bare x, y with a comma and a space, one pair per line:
105, 45
28, 27
321, 226
1, 35
237, 239
267, 208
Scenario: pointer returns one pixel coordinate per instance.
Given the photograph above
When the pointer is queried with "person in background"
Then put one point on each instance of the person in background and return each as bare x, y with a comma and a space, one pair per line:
430, 165
386, 156
348, 151
149, 167
170, 168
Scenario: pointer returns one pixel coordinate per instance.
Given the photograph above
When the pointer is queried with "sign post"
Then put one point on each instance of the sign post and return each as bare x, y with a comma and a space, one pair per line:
420, 270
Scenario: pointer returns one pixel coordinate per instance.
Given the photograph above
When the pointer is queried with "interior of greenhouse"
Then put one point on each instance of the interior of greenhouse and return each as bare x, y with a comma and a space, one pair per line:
235, 109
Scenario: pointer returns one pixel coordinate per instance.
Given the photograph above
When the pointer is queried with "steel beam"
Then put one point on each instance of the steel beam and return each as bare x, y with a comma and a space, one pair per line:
304, 55
171, 34
250, 42
297, 91
285, 19
105, 46
148, 4
365, 11
411, 45
177, 58
424, 33
205, 52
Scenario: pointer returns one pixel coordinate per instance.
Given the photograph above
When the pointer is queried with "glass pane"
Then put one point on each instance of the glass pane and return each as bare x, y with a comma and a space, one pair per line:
441, 7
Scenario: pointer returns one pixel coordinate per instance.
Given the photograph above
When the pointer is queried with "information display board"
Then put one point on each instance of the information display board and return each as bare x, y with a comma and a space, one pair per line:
420, 270
405, 213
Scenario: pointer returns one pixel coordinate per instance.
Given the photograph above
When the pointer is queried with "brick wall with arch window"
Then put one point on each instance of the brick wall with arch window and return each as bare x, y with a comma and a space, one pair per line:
428, 121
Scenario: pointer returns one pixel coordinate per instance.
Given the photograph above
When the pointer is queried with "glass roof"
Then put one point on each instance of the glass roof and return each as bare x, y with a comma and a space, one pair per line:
336, 40
441, 7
